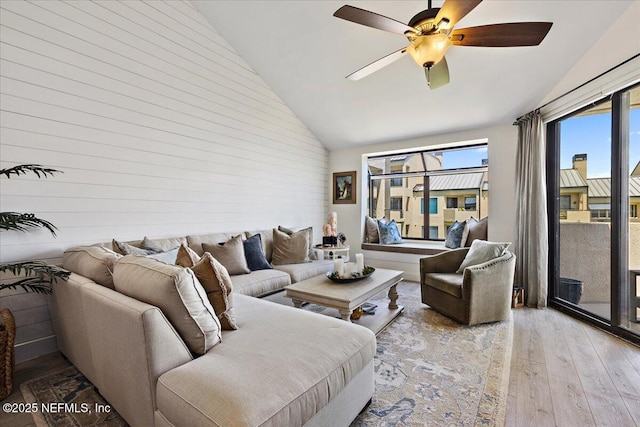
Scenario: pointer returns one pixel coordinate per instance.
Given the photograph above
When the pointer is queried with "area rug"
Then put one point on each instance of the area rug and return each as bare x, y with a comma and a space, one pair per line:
66, 398
429, 371
432, 371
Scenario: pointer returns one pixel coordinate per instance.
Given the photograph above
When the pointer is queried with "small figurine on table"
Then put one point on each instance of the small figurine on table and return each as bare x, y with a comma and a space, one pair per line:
330, 230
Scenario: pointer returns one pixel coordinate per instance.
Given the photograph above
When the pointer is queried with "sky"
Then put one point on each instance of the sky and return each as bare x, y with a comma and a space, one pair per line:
592, 135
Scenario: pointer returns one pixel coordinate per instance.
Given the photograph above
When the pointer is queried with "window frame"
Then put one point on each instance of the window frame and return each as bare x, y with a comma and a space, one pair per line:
425, 173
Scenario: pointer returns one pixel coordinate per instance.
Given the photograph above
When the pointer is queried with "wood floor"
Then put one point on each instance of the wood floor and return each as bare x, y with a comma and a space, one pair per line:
563, 373
567, 373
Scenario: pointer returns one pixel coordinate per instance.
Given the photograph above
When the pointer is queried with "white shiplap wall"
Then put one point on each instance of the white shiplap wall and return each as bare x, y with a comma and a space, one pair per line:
161, 129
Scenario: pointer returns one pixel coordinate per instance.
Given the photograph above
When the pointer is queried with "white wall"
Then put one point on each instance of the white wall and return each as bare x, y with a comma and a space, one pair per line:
502, 157
159, 126
618, 44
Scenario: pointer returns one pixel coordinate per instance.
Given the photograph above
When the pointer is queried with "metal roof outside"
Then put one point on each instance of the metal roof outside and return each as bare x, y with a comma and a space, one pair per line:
571, 178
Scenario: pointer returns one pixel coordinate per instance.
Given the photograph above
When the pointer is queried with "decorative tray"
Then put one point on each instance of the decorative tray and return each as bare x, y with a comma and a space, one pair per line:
368, 271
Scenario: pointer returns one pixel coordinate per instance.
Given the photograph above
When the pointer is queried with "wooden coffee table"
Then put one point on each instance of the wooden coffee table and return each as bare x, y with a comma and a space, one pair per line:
346, 297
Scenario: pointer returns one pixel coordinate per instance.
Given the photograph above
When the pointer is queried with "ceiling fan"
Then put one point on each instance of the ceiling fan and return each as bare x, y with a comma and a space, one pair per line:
431, 34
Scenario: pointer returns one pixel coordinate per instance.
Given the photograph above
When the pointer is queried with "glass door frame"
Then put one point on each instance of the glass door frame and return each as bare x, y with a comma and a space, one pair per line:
619, 217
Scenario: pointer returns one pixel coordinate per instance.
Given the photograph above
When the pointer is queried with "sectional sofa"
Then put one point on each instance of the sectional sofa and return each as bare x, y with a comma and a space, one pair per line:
281, 367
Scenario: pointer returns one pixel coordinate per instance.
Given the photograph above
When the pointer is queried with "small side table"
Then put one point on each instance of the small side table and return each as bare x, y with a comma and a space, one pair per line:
518, 296
331, 252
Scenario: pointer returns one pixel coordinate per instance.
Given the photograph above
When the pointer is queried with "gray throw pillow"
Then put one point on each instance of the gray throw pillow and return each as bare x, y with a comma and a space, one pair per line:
124, 248
454, 235
292, 249
482, 251
230, 254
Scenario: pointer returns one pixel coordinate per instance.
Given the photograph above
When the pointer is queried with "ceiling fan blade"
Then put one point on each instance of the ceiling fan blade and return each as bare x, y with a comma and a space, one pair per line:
376, 65
502, 35
371, 19
455, 10
438, 75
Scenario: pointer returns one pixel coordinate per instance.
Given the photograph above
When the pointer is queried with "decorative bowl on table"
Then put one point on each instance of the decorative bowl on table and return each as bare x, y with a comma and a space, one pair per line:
368, 271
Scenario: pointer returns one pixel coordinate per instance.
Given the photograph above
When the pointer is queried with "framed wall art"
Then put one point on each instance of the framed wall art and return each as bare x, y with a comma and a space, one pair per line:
344, 187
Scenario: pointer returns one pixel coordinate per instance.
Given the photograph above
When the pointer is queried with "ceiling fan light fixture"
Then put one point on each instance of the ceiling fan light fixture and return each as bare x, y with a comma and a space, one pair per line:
429, 49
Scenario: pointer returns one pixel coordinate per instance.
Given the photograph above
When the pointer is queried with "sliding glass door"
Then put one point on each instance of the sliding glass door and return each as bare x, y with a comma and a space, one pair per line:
594, 198
630, 297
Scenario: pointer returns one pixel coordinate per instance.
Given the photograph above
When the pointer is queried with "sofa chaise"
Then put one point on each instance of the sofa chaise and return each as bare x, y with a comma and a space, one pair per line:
282, 367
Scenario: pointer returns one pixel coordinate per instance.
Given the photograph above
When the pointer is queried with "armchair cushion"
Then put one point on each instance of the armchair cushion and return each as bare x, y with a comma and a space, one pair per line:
450, 283
482, 251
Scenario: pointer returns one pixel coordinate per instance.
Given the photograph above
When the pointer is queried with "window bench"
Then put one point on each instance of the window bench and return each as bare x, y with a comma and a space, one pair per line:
419, 248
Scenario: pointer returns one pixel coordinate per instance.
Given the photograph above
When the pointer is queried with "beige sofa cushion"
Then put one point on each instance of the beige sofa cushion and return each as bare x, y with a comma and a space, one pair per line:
260, 282
231, 255
292, 249
300, 272
221, 388
195, 241
217, 284
177, 292
162, 245
94, 262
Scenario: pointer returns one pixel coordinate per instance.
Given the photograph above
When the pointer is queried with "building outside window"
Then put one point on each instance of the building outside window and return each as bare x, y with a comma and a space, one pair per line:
454, 181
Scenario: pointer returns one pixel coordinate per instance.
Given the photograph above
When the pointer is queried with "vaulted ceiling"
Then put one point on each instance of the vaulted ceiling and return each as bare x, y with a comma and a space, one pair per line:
304, 53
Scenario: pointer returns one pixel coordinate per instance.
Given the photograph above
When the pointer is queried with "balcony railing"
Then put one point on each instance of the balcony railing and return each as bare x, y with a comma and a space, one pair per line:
452, 215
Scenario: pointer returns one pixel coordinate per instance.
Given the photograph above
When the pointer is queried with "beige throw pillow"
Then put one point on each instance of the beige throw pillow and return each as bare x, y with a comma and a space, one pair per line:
371, 230
309, 231
93, 262
477, 231
186, 257
231, 255
177, 292
217, 284
482, 251
292, 249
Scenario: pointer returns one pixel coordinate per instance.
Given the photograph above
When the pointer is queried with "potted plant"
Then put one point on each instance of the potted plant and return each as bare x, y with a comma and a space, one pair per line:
32, 276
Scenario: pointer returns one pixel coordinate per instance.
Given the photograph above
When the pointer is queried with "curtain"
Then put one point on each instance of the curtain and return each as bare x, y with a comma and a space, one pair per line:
531, 211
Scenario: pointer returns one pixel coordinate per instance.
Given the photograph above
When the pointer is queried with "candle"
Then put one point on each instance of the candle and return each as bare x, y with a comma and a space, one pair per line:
359, 263
348, 269
338, 266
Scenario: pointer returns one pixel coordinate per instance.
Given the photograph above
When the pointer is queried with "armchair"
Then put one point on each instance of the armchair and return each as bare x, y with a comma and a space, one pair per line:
480, 294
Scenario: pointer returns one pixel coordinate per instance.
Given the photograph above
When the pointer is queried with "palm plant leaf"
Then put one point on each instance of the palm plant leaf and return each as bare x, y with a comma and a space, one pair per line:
39, 170
23, 221
39, 276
